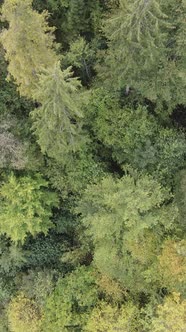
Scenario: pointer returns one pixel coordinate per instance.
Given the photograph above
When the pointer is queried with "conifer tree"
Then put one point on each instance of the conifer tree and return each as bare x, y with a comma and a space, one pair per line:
56, 121
141, 34
28, 42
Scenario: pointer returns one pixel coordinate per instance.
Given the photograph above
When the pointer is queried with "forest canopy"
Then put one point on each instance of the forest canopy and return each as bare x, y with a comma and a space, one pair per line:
93, 166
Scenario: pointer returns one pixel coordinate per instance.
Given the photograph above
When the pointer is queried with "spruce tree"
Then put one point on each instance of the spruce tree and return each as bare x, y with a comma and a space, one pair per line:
56, 121
141, 35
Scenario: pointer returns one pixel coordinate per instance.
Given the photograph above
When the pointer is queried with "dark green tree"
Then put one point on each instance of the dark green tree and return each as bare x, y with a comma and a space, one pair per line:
134, 136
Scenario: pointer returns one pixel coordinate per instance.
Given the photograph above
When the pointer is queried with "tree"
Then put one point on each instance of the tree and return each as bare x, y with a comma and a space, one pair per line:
82, 57
134, 136
57, 120
73, 18
180, 197
25, 207
75, 172
71, 302
28, 43
24, 315
144, 39
118, 212
172, 265
12, 151
170, 315
107, 318
83, 18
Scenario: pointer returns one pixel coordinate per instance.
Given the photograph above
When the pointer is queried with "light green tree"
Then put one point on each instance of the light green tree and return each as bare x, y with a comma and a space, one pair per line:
57, 120
25, 207
121, 216
24, 315
171, 315
28, 42
172, 265
144, 49
104, 317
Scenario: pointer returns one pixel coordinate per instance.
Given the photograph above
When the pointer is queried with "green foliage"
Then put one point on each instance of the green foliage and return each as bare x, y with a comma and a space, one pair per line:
143, 50
135, 137
28, 43
25, 207
44, 252
12, 258
73, 18
71, 302
75, 172
57, 120
3, 322
37, 285
82, 57
116, 212
110, 253
180, 197
10, 101
83, 18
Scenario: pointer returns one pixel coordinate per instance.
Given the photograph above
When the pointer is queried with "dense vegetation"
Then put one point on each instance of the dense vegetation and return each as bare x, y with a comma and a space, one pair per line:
93, 166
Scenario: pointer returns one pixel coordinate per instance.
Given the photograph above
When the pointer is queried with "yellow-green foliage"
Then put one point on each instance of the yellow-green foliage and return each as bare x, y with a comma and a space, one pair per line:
172, 264
28, 43
171, 316
25, 207
69, 306
24, 315
106, 318
120, 215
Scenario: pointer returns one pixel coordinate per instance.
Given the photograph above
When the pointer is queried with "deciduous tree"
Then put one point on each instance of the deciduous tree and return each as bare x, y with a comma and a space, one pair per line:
25, 207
